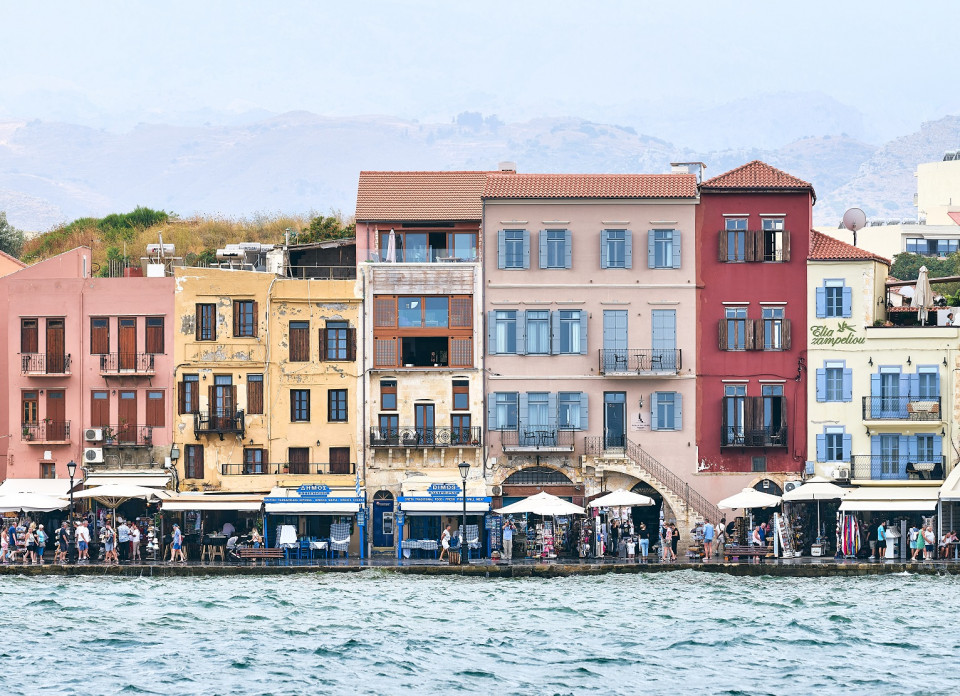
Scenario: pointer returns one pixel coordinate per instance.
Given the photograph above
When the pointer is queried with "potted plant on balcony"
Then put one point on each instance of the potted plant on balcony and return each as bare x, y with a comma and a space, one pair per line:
27, 433
109, 436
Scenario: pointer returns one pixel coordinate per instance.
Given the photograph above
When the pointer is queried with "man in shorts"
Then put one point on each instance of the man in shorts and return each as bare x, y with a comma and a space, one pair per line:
881, 540
83, 542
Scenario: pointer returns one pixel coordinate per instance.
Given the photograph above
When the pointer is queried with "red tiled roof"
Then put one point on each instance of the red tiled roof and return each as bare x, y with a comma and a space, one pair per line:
507, 185
419, 196
756, 175
826, 248
12, 258
955, 217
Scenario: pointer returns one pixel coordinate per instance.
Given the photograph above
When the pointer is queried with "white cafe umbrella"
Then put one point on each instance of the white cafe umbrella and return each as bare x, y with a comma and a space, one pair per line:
542, 504
923, 296
817, 488
749, 498
391, 255
31, 502
113, 495
621, 498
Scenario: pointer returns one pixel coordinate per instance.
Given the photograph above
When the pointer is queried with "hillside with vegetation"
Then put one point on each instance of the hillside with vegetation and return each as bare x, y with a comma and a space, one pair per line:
123, 237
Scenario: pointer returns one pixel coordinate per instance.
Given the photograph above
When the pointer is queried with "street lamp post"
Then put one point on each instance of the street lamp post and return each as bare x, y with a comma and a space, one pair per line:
72, 471
464, 467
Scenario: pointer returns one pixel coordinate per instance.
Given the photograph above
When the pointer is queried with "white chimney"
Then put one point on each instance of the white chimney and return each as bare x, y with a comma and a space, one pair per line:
507, 167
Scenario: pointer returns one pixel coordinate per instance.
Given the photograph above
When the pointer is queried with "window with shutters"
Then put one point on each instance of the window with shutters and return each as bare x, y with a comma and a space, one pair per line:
299, 341
537, 332
206, 322
156, 408
570, 410
255, 393
734, 240
423, 331
570, 330
556, 249
775, 241
154, 337
244, 318
833, 439
514, 251
99, 335
299, 405
29, 407
833, 379
337, 405
253, 460
665, 408
664, 249
29, 336
99, 408
388, 394
189, 401
505, 409
339, 460
338, 341
613, 252
834, 299
734, 407
734, 329
193, 461
505, 331
773, 328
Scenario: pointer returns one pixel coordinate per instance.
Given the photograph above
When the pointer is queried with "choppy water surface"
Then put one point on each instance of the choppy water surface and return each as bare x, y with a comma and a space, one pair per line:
668, 633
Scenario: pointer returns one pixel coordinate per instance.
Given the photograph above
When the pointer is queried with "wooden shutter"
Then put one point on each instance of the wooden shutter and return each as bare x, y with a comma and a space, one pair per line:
254, 395
197, 461
99, 336
723, 246
195, 398
233, 400
323, 344
722, 333
156, 408
750, 334
29, 336
236, 318
256, 319
199, 323
182, 398
753, 239
212, 400
351, 344
785, 334
385, 311
461, 311
786, 245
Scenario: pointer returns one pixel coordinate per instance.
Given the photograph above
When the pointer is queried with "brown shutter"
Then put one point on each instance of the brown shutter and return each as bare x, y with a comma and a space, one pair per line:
195, 398
198, 462
236, 318
233, 400
723, 246
722, 332
323, 345
199, 322
723, 421
461, 311
786, 334
750, 334
212, 400
385, 311
750, 238
181, 398
786, 245
256, 319
351, 344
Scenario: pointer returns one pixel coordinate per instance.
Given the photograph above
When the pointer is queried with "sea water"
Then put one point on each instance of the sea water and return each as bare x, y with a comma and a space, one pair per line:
379, 633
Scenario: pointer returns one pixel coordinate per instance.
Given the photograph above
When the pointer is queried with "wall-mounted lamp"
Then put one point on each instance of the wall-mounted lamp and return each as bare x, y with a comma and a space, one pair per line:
944, 362
943, 431
41, 391
640, 402
868, 430
239, 377
908, 361
318, 443
251, 440
869, 362
114, 392
204, 377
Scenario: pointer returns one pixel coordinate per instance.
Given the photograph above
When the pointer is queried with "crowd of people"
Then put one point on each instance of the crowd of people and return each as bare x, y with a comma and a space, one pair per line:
26, 541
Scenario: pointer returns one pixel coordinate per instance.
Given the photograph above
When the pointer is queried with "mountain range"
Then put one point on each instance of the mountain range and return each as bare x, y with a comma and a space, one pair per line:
299, 162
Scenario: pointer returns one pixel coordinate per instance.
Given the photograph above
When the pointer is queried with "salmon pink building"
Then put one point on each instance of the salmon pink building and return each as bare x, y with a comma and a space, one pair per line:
753, 228
87, 372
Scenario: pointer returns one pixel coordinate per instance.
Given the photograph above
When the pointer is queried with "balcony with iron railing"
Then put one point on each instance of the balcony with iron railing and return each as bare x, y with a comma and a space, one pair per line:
535, 438
127, 364
219, 423
127, 435
896, 467
45, 364
288, 469
901, 408
414, 437
639, 362
47, 432
753, 437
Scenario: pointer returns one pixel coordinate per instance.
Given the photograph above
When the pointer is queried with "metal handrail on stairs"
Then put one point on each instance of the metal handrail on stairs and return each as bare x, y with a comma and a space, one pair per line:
690, 497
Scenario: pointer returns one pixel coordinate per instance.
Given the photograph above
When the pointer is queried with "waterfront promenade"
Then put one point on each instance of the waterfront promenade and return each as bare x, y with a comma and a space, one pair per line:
794, 567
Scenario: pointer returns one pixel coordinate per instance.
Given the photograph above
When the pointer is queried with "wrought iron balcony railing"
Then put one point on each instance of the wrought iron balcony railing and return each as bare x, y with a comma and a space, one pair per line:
219, 422
287, 468
880, 467
412, 436
127, 435
753, 437
127, 364
45, 431
639, 361
40, 364
532, 437
913, 408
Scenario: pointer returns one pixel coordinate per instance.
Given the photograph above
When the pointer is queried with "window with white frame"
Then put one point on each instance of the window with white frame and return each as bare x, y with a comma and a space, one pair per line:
505, 410
773, 328
735, 242
538, 332
505, 331
774, 240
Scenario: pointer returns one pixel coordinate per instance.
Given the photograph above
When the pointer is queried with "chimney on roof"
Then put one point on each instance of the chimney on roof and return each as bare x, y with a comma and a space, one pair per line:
507, 167
688, 168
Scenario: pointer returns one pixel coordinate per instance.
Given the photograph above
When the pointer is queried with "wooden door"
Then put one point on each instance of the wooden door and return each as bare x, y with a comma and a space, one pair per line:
56, 359
339, 460
56, 415
127, 428
99, 408
299, 460
127, 343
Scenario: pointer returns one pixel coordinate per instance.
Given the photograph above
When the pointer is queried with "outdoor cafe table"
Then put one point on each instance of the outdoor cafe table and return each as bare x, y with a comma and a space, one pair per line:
213, 545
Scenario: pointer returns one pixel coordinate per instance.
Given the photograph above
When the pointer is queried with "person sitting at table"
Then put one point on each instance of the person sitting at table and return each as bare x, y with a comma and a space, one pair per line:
255, 539
228, 529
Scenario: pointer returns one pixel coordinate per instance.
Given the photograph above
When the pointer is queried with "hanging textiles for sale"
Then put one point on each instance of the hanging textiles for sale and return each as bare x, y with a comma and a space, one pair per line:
850, 535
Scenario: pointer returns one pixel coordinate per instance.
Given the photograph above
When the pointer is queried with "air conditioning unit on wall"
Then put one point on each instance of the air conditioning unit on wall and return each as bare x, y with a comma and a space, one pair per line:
842, 474
790, 486
93, 455
93, 434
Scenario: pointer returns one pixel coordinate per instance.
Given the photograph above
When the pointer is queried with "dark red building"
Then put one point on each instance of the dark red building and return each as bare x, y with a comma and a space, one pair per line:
753, 229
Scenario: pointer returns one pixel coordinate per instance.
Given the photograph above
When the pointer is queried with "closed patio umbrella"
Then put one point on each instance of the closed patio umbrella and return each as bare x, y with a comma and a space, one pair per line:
923, 295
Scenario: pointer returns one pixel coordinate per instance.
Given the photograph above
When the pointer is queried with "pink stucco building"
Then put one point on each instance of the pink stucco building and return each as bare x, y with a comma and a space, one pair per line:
82, 354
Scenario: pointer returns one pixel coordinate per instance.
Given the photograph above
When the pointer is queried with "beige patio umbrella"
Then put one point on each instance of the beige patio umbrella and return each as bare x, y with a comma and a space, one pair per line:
31, 502
621, 498
542, 504
113, 495
922, 295
749, 498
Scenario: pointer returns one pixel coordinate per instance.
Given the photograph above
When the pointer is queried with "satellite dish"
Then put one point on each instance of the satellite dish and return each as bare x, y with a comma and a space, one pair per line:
853, 220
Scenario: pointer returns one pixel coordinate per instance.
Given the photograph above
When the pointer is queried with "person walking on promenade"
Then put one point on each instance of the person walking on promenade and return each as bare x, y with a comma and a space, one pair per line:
41, 543
134, 542
881, 540
708, 534
665, 535
720, 539
11, 537
445, 543
929, 543
123, 541
674, 540
83, 541
30, 544
109, 545
177, 545
507, 554
4, 546
644, 534
913, 535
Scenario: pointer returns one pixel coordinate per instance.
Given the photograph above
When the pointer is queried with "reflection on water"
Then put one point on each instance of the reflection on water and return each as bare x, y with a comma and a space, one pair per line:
376, 632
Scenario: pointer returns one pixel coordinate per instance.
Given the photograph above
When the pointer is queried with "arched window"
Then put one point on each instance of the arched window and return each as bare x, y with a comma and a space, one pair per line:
537, 476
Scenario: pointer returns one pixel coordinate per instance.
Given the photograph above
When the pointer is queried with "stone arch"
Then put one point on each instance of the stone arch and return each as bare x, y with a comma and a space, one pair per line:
630, 481
516, 469
775, 486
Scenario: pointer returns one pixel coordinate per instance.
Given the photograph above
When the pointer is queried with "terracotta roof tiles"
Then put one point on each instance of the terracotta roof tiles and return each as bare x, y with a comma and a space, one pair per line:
509, 185
420, 196
826, 248
756, 175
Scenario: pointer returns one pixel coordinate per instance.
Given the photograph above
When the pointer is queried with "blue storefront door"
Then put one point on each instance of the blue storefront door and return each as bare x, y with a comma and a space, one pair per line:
383, 522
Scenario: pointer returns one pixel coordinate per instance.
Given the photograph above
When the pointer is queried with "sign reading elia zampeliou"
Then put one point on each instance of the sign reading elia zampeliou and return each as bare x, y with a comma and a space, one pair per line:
844, 334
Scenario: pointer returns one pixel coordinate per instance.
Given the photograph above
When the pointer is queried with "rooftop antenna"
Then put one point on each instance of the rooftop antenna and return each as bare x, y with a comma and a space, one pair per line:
854, 219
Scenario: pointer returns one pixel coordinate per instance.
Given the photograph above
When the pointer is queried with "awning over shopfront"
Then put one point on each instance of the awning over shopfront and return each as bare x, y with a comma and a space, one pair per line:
891, 499
425, 495
209, 502
950, 490
58, 488
147, 478
313, 500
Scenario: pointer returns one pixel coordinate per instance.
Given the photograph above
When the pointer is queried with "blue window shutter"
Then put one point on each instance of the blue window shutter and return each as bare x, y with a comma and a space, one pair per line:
821, 448
543, 249
521, 333
552, 411
905, 453
501, 249
847, 441
555, 333
936, 383
914, 386
821, 302
676, 248
584, 412
847, 301
914, 450
847, 384
603, 249
567, 249
651, 250
491, 332
678, 411
583, 332
654, 420
875, 402
821, 384
522, 415
492, 411
875, 450
627, 249
526, 248
937, 447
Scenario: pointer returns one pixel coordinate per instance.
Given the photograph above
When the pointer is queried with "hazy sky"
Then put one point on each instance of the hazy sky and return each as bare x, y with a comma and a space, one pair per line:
116, 63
